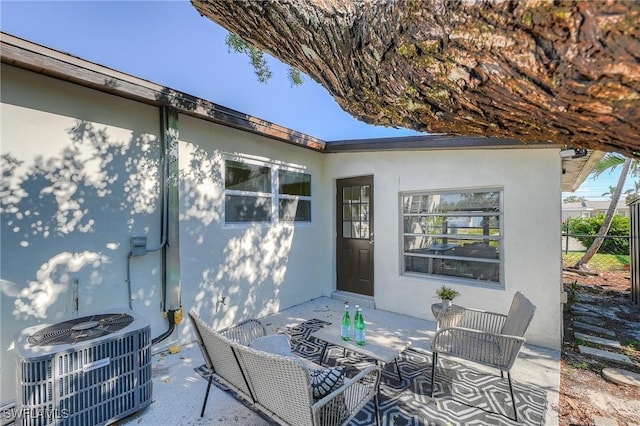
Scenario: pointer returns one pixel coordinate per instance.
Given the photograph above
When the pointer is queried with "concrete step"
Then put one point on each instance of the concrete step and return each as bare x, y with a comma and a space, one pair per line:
576, 310
610, 356
589, 320
604, 421
583, 306
621, 377
598, 340
586, 298
354, 299
594, 328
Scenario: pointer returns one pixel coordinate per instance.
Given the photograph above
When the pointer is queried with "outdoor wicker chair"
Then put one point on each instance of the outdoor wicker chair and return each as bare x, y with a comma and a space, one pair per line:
486, 338
220, 356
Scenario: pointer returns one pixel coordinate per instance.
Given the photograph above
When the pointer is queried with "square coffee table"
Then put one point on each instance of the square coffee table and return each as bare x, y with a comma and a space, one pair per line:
380, 346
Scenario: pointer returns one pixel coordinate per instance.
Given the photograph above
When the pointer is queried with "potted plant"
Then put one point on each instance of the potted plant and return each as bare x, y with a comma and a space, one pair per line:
447, 294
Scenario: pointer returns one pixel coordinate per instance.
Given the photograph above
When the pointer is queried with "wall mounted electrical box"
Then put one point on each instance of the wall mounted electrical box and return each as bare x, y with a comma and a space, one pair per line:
138, 246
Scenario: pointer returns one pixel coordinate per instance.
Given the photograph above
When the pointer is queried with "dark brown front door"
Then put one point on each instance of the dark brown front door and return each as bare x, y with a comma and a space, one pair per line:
354, 254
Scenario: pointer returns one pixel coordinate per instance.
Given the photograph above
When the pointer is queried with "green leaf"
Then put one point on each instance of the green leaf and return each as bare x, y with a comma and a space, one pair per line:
295, 77
237, 44
609, 162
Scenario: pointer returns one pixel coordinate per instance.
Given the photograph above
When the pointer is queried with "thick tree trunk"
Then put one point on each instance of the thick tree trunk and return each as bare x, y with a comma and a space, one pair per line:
582, 264
535, 70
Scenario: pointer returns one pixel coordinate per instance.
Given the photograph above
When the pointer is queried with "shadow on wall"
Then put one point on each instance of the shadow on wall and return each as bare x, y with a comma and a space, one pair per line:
229, 273
70, 216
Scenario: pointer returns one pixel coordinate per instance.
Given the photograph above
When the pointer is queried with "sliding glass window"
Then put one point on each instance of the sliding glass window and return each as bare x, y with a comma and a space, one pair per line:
265, 193
294, 196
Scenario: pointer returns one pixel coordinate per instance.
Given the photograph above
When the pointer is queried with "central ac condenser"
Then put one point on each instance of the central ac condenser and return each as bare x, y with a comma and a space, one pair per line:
86, 371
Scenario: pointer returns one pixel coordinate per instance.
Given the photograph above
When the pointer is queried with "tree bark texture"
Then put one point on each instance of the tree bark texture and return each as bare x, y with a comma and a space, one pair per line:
535, 70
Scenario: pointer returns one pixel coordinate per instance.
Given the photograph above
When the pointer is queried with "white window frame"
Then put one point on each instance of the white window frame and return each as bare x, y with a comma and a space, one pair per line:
274, 195
455, 279
278, 196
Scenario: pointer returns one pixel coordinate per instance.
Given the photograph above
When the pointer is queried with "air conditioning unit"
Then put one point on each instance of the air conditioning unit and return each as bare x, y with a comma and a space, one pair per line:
86, 371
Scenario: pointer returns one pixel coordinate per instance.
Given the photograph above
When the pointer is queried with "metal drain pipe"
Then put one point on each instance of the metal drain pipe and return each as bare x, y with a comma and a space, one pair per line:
171, 303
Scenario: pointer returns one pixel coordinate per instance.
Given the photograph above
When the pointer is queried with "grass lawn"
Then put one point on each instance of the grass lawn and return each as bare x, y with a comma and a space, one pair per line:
604, 262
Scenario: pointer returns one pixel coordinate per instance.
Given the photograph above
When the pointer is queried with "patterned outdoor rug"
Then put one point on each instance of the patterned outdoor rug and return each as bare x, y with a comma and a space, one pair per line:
463, 396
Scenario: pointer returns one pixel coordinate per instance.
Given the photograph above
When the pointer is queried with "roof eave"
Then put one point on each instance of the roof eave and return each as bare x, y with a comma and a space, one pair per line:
43, 60
576, 170
430, 142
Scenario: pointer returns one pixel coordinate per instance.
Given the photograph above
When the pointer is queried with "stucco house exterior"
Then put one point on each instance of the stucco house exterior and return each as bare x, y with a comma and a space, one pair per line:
119, 193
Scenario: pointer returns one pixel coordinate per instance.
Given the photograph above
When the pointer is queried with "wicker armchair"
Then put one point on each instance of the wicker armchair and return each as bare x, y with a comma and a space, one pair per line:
277, 385
486, 338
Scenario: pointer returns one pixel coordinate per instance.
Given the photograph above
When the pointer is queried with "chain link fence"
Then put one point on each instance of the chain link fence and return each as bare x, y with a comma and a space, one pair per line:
613, 255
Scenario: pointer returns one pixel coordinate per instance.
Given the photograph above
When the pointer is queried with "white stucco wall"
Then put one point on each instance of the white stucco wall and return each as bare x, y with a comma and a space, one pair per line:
80, 177
531, 182
260, 268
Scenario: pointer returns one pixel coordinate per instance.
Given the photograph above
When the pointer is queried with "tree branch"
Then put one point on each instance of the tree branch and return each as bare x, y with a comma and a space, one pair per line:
566, 72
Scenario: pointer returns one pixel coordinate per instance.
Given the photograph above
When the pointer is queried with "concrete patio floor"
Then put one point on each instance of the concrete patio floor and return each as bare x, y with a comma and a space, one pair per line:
178, 391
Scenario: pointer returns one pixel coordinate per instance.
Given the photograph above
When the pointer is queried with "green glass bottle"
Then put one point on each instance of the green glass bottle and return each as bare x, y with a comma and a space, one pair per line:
345, 331
359, 327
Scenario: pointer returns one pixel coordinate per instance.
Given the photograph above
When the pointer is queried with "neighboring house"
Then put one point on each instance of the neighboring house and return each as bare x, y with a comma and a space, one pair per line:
97, 165
587, 209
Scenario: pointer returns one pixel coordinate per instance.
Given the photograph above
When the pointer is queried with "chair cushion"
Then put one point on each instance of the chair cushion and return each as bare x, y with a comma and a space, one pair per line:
278, 344
326, 380
519, 316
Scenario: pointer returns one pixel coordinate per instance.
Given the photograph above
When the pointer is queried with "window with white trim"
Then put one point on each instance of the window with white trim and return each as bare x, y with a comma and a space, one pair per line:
267, 193
294, 196
453, 234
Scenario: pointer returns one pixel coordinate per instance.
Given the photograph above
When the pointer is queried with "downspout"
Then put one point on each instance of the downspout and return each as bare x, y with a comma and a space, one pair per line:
171, 286
164, 173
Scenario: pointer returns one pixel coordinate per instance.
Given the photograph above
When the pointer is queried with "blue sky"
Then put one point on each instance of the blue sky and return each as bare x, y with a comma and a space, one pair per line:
593, 189
169, 43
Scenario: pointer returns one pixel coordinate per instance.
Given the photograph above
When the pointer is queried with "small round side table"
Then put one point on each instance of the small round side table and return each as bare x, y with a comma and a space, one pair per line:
454, 312
436, 308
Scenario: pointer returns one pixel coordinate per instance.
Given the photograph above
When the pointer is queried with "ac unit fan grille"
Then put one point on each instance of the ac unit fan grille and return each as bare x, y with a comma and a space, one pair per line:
80, 329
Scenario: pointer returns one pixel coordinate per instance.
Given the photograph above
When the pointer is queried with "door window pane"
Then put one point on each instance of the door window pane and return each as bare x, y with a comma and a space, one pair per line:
346, 212
364, 212
346, 229
346, 195
355, 230
355, 194
364, 233
355, 212
364, 193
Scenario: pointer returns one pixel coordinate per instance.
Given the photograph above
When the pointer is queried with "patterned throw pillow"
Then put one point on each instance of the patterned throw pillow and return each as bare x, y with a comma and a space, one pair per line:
326, 380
